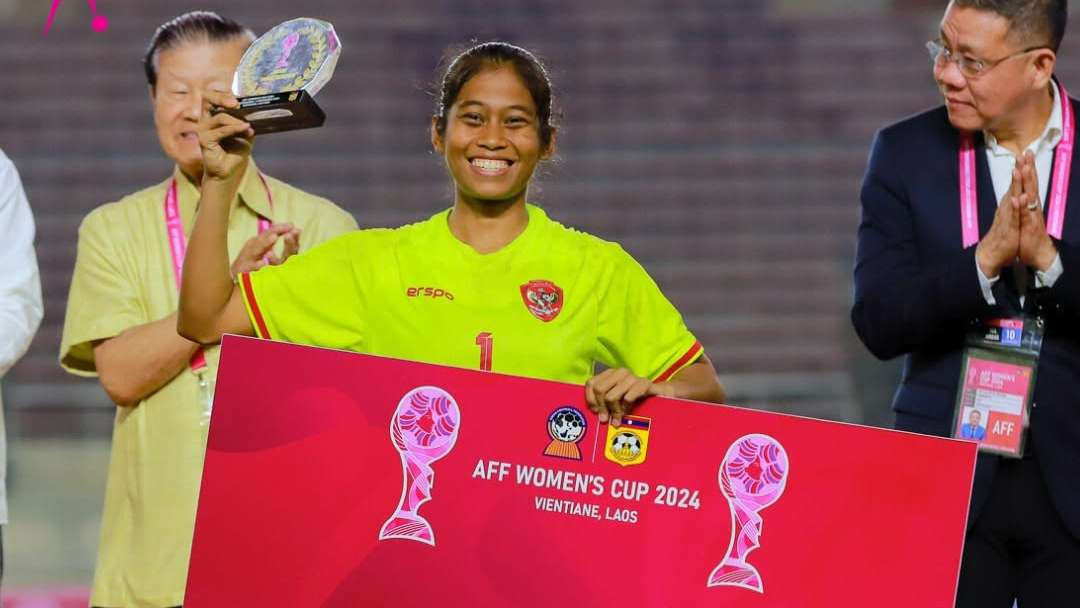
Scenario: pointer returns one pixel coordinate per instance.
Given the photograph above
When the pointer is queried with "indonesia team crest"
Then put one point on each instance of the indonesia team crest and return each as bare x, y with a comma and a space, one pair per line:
544, 299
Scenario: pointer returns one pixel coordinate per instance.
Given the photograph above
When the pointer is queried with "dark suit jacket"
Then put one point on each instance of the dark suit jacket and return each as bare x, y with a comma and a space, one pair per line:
917, 290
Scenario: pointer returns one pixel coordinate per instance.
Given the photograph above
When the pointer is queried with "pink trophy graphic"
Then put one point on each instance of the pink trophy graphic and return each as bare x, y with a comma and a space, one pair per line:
424, 429
287, 48
752, 477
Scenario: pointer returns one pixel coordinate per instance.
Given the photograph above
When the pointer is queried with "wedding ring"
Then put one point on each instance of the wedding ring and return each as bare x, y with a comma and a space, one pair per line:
1033, 206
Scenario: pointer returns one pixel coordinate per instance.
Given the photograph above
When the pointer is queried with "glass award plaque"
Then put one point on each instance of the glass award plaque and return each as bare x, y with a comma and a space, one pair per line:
281, 72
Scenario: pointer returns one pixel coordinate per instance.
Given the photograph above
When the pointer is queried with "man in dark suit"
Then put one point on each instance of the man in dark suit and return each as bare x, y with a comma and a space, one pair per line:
929, 266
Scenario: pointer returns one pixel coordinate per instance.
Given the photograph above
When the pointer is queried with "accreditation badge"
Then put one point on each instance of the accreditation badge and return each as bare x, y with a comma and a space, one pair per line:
997, 382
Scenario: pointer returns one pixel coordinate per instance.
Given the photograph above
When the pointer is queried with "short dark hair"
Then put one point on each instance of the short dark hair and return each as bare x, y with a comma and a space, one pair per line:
1040, 22
196, 26
479, 57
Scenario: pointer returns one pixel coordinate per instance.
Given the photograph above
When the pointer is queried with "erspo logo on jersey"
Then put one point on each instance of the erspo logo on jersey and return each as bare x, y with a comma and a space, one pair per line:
429, 292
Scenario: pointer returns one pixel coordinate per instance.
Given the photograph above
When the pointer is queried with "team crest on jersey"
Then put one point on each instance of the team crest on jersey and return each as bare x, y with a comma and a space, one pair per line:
544, 299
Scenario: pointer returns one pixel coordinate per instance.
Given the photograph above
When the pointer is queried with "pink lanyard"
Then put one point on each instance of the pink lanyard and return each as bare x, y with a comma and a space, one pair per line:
1059, 193
178, 246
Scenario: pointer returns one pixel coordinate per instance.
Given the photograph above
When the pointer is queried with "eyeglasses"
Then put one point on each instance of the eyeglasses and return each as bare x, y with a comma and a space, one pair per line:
970, 68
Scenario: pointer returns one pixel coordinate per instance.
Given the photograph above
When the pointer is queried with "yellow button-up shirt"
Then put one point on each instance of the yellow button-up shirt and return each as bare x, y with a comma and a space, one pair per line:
124, 278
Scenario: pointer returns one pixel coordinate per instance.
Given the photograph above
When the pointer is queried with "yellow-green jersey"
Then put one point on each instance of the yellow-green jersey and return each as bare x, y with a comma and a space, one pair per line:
549, 305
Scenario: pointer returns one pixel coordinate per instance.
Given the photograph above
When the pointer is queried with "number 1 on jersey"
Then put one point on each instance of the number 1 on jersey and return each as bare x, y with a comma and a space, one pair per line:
485, 341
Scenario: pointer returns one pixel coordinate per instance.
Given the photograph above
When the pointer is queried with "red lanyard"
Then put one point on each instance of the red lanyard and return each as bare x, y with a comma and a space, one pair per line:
178, 246
1059, 194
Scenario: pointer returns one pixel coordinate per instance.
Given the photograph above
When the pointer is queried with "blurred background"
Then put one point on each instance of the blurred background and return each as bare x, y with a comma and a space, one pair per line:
722, 142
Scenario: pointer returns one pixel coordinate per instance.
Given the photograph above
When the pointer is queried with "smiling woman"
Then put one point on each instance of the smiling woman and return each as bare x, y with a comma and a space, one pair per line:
494, 89
493, 126
530, 296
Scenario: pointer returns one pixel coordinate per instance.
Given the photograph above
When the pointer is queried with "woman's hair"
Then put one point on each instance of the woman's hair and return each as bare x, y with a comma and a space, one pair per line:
488, 55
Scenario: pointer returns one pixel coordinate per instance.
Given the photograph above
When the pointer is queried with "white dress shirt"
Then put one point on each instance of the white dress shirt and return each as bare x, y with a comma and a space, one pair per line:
1002, 161
20, 288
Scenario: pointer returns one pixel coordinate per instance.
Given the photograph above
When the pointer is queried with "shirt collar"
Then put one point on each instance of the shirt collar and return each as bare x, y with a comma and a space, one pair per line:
1050, 137
252, 194
537, 219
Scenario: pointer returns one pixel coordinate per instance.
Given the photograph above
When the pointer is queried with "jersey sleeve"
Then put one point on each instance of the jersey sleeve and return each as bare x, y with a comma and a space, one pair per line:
314, 298
638, 327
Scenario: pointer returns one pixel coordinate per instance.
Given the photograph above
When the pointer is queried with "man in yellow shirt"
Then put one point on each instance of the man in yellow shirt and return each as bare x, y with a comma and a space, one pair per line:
121, 317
